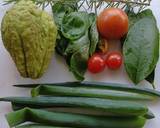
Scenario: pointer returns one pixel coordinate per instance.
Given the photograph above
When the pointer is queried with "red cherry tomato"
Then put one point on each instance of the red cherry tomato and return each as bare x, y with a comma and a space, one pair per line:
114, 60
113, 23
96, 63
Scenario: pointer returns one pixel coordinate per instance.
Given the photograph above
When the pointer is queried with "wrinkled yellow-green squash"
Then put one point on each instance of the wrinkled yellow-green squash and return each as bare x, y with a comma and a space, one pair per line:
29, 35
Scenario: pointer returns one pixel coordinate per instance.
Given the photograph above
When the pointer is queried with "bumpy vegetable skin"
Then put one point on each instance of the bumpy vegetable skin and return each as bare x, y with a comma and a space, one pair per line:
29, 35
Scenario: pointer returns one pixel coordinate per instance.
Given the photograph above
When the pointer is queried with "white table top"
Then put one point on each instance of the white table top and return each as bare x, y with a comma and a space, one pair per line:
58, 72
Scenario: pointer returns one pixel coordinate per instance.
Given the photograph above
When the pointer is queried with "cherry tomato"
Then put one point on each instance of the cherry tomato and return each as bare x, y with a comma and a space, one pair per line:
113, 23
114, 60
96, 63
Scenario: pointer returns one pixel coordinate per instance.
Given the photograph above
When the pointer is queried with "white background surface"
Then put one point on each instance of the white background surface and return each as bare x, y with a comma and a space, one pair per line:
58, 72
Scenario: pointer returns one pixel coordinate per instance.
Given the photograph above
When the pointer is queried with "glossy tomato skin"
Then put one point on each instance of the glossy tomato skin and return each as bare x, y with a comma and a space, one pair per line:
112, 23
114, 60
96, 63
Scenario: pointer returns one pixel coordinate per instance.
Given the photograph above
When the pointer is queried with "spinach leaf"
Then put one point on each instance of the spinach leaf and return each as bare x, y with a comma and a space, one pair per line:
141, 49
78, 36
78, 63
93, 34
59, 10
61, 46
79, 51
75, 45
75, 24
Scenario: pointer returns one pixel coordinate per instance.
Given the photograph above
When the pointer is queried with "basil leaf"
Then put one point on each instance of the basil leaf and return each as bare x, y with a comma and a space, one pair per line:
151, 77
74, 25
141, 49
133, 18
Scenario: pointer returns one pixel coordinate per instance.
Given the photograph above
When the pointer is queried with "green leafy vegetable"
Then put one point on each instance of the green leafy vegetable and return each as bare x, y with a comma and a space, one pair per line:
78, 37
133, 18
78, 62
74, 25
59, 10
93, 33
61, 46
141, 49
75, 45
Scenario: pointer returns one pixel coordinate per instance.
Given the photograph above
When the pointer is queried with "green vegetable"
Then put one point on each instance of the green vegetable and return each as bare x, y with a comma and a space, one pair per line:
93, 34
108, 107
90, 92
37, 126
133, 18
61, 46
99, 85
77, 110
141, 49
149, 115
74, 45
29, 34
78, 62
78, 37
74, 25
72, 120
59, 10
